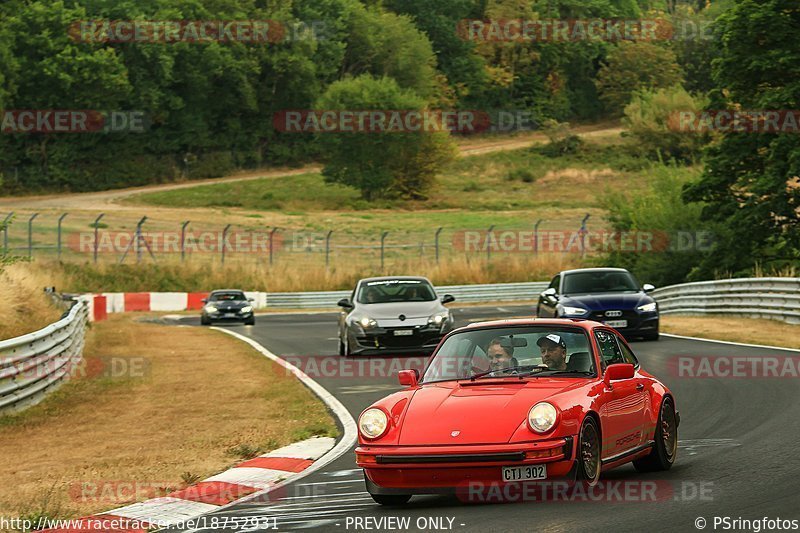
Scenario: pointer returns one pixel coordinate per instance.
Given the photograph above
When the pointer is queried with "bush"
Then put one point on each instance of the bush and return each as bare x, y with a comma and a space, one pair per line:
521, 174
651, 120
571, 144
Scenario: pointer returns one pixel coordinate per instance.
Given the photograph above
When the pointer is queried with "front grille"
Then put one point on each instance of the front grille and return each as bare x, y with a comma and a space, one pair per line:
631, 316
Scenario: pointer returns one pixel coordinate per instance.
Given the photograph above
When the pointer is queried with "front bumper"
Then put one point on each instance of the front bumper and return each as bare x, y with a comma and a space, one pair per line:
386, 340
638, 323
228, 316
454, 469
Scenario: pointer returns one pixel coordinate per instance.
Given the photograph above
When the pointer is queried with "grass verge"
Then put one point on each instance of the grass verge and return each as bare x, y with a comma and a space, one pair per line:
724, 328
27, 307
154, 409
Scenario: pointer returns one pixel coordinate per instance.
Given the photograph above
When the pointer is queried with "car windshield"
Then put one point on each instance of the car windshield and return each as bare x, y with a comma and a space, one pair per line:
600, 281
227, 296
395, 290
512, 352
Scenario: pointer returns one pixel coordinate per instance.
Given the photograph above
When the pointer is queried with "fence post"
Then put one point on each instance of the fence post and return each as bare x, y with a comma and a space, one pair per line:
60, 219
489, 243
383, 241
583, 234
536, 237
183, 240
271, 238
224, 241
96, 225
138, 239
30, 234
5, 231
436, 243
328, 248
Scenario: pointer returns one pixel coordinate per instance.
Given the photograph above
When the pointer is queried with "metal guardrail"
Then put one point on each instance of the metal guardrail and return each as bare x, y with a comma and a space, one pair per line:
33, 365
773, 298
498, 292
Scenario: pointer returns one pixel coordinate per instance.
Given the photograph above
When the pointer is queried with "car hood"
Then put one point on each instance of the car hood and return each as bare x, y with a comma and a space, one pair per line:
481, 413
603, 301
395, 309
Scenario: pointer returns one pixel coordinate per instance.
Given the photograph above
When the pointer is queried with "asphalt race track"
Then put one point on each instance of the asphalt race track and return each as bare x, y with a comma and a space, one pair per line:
737, 453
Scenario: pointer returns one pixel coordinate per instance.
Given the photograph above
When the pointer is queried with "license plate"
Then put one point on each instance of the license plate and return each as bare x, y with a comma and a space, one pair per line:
403, 332
230, 315
524, 473
617, 323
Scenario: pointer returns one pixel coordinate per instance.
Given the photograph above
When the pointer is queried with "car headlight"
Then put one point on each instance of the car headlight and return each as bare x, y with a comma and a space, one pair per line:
211, 309
437, 319
247, 309
373, 423
574, 310
542, 417
647, 308
367, 322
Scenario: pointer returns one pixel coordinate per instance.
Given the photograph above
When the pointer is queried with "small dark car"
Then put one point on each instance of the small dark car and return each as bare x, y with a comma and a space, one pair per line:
393, 315
612, 296
227, 305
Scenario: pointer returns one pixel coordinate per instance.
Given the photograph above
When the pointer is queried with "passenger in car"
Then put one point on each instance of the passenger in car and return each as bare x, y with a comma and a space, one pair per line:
554, 351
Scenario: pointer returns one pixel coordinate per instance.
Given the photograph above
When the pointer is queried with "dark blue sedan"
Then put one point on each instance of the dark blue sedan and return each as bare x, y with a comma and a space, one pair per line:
609, 295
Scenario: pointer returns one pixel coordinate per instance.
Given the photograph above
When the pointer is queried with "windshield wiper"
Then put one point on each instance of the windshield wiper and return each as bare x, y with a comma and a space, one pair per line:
537, 368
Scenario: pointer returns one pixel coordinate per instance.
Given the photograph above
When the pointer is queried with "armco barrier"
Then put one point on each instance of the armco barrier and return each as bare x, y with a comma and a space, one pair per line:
34, 364
498, 292
773, 298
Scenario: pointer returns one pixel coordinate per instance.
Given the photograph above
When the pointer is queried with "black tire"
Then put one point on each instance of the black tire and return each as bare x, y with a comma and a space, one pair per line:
204, 321
538, 311
391, 500
250, 322
344, 346
662, 456
341, 347
651, 336
588, 454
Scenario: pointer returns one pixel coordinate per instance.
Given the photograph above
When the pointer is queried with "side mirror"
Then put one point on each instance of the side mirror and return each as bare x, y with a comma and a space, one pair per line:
251, 299
409, 378
447, 298
618, 371
345, 302
550, 293
648, 288
204, 300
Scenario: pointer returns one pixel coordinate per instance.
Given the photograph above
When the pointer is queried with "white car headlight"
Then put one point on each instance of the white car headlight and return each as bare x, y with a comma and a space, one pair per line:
542, 417
574, 310
367, 322
211, 309
373, 423
437, 319
247, 308
647, 308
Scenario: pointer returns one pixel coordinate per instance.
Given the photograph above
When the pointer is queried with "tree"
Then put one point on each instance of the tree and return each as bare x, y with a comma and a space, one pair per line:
384, 164
632, 66
750, 184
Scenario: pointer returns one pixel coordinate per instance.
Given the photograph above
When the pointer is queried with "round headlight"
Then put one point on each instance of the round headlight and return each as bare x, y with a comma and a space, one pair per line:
373, 423
542, 417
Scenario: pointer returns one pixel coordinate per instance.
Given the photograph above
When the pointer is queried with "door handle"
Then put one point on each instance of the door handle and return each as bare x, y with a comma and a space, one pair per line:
639, 387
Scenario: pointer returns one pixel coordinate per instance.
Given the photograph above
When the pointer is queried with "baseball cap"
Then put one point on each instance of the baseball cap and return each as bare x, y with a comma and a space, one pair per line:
552, 338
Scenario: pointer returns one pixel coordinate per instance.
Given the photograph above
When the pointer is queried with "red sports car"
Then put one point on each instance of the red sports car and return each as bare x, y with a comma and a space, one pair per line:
517, 401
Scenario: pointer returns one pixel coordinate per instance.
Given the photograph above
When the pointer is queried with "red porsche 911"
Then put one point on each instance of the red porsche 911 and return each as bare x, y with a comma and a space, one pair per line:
517, 401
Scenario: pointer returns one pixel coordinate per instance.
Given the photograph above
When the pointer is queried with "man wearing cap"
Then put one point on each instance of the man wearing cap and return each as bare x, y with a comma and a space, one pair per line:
554, 351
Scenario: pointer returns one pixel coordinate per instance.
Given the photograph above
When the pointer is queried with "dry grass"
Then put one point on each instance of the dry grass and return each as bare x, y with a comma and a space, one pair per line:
204, 402
293, 276
746, 330
26, 306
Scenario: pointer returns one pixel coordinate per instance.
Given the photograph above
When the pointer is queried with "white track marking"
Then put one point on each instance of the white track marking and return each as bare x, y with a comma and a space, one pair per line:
732, 343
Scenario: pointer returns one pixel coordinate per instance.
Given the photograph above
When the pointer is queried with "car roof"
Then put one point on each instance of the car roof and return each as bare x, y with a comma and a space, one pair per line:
579, 322
225, 290
600, 269
389, 278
